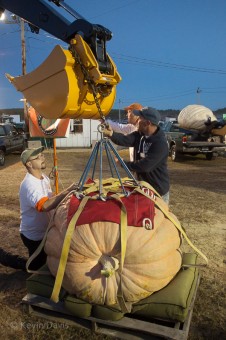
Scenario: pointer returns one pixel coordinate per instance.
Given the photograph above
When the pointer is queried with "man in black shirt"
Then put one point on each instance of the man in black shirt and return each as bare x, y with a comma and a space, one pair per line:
150, 150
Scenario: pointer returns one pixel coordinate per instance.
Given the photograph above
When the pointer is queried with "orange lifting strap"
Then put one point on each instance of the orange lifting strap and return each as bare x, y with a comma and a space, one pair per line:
62, 86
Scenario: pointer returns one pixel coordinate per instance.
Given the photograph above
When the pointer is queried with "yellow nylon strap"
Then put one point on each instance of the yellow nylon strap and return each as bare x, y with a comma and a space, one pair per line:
65, 250
111, 183
177, 225
36, 252
90, 187
125, 306
111, 180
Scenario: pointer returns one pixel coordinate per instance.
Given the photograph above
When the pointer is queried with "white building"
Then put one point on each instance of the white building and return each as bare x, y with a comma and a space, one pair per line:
9, 118
82, 133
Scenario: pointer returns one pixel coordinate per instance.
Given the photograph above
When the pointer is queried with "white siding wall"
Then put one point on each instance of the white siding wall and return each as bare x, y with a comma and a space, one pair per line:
16, 118
83, 139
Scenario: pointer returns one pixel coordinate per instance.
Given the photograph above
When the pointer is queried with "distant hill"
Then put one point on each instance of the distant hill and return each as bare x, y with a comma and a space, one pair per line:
114, 114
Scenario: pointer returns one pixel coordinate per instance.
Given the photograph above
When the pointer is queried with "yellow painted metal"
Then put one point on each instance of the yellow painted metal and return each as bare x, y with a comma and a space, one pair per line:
58, 88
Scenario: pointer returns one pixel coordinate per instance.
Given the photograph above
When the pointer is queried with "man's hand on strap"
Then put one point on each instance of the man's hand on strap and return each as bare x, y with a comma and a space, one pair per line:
107, 130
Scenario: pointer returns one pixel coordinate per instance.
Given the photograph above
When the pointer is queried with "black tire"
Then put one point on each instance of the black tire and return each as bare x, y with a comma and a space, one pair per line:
174, 154
2, 157
210, 156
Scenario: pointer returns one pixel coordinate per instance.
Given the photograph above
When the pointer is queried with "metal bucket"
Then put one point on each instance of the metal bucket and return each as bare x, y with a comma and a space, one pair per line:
58, 88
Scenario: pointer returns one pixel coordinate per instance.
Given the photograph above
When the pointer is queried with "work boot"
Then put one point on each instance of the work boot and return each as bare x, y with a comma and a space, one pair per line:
12, 261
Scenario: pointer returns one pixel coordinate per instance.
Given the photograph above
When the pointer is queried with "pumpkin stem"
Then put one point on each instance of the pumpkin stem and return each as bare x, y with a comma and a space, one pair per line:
110, 265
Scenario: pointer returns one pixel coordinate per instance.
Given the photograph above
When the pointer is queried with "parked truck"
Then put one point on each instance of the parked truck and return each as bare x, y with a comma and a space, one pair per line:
191, 142
11, 140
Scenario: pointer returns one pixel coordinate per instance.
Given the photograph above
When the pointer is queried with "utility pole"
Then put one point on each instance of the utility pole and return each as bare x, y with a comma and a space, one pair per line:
23, 50
198, 95
119, 110
23, 46
16, 20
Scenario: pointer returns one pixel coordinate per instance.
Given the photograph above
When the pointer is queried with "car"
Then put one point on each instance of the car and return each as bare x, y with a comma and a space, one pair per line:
11, 140
191, 142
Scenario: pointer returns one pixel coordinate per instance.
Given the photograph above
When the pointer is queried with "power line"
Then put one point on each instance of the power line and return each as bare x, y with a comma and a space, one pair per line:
156, 63
144, 61
214, 88
6, 33
167, 96
115, 9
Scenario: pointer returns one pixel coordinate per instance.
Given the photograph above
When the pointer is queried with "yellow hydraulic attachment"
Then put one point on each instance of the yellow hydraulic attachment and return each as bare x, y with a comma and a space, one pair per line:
69, 84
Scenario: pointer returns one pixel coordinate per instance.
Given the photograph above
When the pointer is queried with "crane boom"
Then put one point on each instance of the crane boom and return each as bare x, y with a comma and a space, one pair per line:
76, 83
43, 16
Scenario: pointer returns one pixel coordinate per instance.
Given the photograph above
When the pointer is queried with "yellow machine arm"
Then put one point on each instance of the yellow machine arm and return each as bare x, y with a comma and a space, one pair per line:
69, 84
76, 83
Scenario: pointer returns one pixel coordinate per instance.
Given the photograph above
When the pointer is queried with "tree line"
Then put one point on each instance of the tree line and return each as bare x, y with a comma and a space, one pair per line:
115, 114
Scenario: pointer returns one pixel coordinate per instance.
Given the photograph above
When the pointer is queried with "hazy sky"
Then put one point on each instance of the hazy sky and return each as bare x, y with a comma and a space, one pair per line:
165, 51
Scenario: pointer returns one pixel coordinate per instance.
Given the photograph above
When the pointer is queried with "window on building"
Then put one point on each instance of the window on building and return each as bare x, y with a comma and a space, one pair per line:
77, 126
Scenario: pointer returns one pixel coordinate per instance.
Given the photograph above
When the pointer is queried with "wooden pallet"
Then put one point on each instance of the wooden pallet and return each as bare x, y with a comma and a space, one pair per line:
129, 328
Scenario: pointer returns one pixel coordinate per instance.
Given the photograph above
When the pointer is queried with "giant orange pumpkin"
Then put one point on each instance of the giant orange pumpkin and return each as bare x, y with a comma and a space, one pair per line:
94, 269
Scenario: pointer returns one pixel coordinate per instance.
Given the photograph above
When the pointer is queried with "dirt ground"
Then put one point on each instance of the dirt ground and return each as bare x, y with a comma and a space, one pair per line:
197, 198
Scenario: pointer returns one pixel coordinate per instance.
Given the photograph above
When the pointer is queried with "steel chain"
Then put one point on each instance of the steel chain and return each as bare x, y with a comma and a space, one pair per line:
95, 89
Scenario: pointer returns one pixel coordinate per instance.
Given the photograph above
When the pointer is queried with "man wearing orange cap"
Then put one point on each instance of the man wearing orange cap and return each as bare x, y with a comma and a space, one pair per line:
150, 150
127, 128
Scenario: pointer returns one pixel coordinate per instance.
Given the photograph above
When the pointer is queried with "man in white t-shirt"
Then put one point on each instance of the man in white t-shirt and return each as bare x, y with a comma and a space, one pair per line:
127, 128
36, 201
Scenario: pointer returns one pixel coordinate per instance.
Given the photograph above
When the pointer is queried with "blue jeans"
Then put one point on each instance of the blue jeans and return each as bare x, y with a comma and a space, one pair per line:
166, 198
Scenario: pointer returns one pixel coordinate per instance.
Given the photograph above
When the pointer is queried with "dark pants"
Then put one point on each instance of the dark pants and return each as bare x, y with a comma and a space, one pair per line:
31, 245
12, 261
